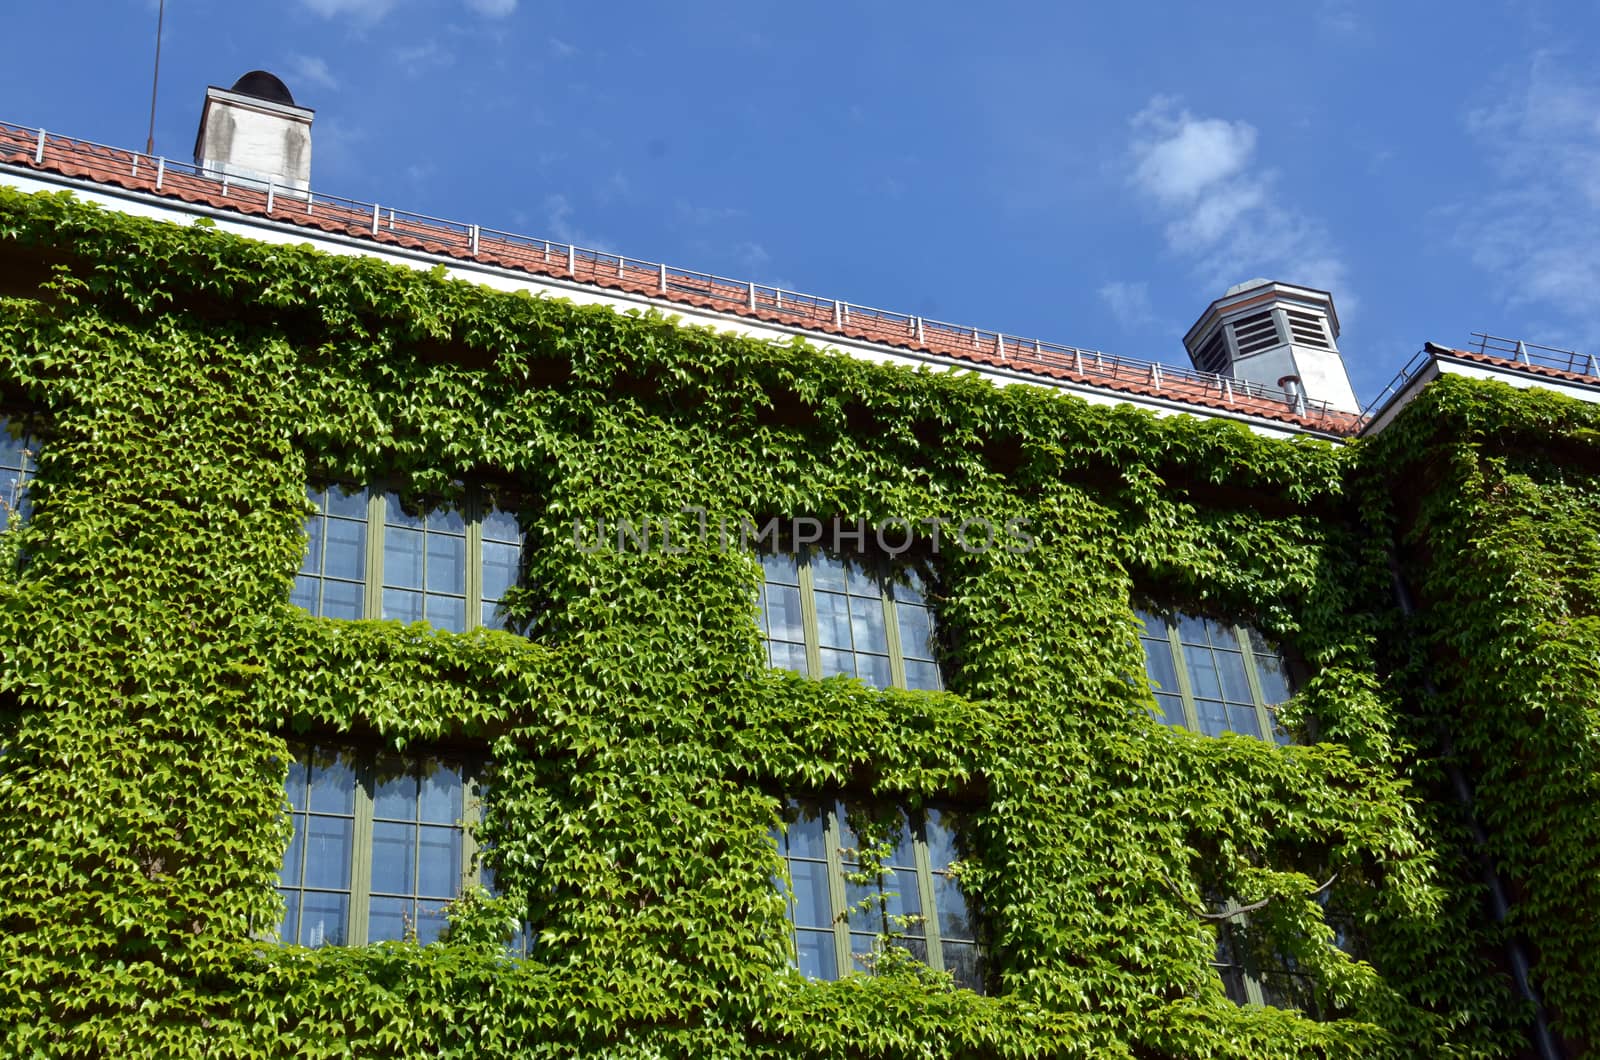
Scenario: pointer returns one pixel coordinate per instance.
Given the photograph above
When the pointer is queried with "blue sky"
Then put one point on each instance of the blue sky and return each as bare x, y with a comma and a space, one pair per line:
1085, 174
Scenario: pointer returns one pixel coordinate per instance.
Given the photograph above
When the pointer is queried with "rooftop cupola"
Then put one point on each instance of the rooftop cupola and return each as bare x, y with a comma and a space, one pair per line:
1277, 335
254, 132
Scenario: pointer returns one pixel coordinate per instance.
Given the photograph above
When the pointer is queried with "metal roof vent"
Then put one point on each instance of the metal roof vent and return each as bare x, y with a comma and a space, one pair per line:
1262, 331
254, 133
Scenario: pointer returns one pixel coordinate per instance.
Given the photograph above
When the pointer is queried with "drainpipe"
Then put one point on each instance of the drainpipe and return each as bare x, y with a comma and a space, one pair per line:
1498, 905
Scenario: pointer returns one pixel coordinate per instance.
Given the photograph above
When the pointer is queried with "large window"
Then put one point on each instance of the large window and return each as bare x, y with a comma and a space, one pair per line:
370, 555
862, 876
380, 845
17, 452
824, 613
1213, 677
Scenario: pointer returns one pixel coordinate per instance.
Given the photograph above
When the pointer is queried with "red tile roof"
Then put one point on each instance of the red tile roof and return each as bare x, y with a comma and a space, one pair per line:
32, 149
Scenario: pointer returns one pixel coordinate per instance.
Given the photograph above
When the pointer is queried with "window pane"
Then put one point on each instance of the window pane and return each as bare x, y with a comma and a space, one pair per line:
447, 564
341, 599
916, 631
439, 862
867, 625
1203, 677
394, 789
817, 953
322, 919
442, 793
402, 605
782, 568
344, 501
874, 670
861, 579
827, 572
394, 857
394, 514
430, 921
386, 919
1171, 708
955, 914
1213, 717
402, 557
289, 871
785, 656
923, 675
344, 549
783, 613
333, 783
312, 563
328, 852
805, 833
833, 620
445, 519
1274, 681
811, 906
1235, 686
499, 568
294, 785
965, 962
1244, 720
446, 612
836, 663
501, 526
1158, 665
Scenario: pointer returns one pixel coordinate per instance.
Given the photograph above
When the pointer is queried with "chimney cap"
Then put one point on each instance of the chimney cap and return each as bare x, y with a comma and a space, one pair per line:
264, 85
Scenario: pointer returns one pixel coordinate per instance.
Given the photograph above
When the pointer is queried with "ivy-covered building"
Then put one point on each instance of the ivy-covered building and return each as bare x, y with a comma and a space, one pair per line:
418, 640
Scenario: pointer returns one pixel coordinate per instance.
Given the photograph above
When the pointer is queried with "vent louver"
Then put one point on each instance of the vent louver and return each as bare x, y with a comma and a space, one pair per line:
1307, 329
1256, 333
1213, 356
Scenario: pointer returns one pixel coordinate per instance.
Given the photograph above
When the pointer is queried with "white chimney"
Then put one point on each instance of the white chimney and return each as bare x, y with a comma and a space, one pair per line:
254, 132
1278, 335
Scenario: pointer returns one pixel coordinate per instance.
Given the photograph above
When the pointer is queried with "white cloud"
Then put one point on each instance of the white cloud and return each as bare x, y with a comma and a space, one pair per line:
1222, 209
561, 49
558, 219
308, 69
361, 10
1128, 302
1537, 230
493, 8
419, 59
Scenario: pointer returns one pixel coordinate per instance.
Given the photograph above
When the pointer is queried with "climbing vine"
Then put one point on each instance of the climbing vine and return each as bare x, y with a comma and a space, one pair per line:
188, 384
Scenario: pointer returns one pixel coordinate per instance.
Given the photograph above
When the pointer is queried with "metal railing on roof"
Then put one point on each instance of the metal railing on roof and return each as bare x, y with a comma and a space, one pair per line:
1531, 353
36, 148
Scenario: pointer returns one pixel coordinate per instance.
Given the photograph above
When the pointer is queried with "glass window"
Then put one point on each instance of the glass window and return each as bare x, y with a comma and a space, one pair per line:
17, 454
368, 554
1213, 677
824, 613
379, 846
1254, 975
861, 876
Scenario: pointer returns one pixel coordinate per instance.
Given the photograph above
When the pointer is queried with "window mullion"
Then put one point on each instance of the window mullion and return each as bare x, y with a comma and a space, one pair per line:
1263, 715
808, 617
1191, 711
361, 858
471, 811
926, 896
897, 662
373, 601
473, 509
836, 889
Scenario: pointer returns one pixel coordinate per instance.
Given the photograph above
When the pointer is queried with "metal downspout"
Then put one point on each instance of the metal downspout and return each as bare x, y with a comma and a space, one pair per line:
1498, 905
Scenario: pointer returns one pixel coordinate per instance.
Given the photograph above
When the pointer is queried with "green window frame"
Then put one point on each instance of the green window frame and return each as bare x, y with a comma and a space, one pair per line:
18, 464
843, 905
1213, 677
1256, 974
823, 613
380, 844
370, 553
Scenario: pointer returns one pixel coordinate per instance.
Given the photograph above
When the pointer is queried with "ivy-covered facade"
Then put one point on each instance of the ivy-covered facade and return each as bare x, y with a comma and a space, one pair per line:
636, 751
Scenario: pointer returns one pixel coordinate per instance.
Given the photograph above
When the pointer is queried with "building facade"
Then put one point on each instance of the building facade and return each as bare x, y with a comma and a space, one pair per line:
409, 650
